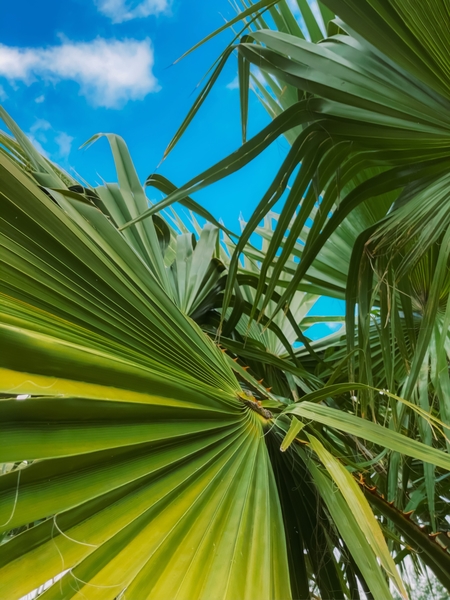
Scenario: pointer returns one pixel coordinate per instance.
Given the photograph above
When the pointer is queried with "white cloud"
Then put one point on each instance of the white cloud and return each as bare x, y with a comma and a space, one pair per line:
42, 135
37, 135
109, 72
317, 14
64, 142
122, 10
37, 144
40, 99
295, 9
40, 125
3, 94
257, 74
234, 84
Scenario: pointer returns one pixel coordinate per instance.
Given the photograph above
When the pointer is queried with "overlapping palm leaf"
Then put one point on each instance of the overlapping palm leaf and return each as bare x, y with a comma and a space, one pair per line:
134, 463
142, 463
408, 253
367, 114
127, 438
133, 439
136, 444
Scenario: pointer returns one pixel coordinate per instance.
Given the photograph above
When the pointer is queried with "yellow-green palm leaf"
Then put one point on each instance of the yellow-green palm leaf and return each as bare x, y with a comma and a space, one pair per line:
134, 466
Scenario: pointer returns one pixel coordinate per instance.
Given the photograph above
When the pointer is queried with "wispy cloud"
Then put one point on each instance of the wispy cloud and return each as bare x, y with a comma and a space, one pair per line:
234, 84
3, 94
37, 135
42, 135
64, 142
40, 99
109, 72
122, 10
40, 125
294, 7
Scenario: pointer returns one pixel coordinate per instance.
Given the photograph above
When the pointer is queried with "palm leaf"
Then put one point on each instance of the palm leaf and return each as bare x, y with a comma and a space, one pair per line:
102, 348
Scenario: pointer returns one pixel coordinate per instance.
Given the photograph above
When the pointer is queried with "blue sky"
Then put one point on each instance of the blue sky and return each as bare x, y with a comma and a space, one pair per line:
74, 68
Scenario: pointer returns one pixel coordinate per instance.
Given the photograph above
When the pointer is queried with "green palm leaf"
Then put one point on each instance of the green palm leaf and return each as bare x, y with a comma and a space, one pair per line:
136, 441
140, 457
